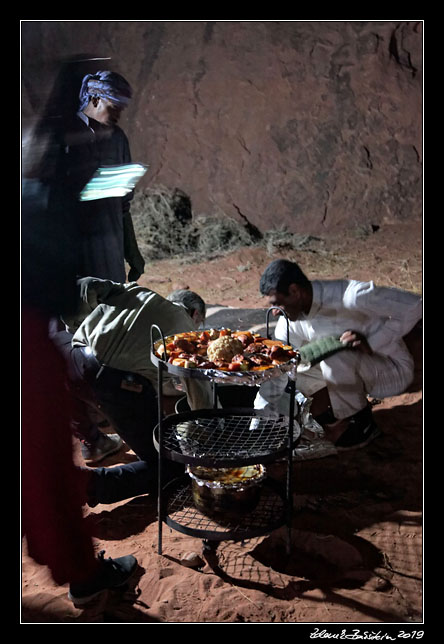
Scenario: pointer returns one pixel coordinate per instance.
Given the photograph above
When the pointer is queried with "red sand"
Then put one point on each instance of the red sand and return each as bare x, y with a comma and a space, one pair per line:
356, 552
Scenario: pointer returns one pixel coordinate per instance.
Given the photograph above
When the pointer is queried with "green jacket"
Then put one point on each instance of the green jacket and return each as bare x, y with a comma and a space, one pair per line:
114, 321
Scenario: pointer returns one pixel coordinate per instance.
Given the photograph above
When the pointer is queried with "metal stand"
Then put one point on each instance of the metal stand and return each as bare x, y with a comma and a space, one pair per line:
175, 504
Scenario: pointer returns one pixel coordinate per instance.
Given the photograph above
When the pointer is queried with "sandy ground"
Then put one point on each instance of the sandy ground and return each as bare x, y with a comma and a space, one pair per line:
356, 539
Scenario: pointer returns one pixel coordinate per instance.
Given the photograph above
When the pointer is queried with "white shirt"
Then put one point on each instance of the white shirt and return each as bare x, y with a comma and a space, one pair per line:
382, 314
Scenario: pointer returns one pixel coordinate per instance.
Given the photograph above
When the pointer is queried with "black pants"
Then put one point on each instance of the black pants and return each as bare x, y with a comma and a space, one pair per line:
113, 484
129, 402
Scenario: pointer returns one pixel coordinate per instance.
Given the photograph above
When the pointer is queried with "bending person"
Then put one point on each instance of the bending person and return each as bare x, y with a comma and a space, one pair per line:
370, 320
107, 344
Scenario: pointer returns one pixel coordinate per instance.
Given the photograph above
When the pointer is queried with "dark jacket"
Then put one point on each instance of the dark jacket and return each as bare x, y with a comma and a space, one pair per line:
106, 233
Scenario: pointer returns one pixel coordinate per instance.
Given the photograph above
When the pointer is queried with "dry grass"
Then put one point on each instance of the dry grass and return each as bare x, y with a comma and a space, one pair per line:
162, 235
391, 256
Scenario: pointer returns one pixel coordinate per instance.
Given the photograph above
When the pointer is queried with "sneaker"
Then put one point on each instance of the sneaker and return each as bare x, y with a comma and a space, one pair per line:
105, 445
326, 418
361, 430
113, 573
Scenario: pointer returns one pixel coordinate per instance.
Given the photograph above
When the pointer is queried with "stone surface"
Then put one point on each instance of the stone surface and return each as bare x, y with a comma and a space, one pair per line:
312, 125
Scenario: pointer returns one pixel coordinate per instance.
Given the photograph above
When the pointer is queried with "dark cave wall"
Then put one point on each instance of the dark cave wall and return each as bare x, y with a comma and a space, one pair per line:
312, 125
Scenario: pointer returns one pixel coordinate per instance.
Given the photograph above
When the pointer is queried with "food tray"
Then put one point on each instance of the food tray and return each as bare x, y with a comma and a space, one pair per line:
225, 437
250, 378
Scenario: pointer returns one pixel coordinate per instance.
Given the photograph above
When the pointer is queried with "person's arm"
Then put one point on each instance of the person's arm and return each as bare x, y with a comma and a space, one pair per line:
357, 341
93, 291
130, 247
400, 311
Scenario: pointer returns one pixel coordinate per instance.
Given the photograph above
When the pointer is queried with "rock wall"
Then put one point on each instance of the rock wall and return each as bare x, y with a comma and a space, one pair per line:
310, 125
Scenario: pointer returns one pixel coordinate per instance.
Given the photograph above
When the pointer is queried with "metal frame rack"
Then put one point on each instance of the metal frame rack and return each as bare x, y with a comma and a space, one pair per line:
222, 438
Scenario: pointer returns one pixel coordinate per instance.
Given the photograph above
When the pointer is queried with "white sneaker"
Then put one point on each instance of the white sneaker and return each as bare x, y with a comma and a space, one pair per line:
106, 445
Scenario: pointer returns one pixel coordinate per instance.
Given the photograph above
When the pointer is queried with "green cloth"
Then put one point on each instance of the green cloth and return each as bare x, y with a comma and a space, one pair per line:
320, 349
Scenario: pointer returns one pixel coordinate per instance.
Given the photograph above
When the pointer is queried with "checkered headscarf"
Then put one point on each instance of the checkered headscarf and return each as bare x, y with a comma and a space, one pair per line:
107, 85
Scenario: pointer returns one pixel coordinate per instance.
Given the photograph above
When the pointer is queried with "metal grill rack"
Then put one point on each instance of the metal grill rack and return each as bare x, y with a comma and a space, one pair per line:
183, 516
223, 438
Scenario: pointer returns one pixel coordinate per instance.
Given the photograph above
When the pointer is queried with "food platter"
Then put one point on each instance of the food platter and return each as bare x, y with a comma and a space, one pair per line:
224, 355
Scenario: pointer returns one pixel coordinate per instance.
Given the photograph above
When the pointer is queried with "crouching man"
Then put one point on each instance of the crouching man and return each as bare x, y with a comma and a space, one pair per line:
370, 321
107, 346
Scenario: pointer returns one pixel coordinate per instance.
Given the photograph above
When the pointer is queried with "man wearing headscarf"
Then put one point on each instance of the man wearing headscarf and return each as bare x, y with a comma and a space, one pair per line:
94, 140
105, 240
53, 490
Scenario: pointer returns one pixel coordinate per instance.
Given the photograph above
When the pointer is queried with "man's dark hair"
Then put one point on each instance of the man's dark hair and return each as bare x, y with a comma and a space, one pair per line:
279, 275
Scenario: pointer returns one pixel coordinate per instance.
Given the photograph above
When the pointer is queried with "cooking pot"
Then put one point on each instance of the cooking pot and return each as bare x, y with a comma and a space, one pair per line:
226, 493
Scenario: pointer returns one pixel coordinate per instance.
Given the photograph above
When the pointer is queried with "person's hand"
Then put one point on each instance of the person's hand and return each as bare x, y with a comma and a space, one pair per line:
355, 340
133, 275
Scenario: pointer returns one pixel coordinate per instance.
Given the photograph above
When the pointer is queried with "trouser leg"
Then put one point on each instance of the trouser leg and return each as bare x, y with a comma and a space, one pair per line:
351, 375
57, 535
348, 376
83, 423
132, 412
113, 484
131, 407
344, 383
309, 380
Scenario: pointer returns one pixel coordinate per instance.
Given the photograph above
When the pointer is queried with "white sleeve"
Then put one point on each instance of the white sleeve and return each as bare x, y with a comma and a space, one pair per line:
399, 309
199, 393
270, 392
297, 336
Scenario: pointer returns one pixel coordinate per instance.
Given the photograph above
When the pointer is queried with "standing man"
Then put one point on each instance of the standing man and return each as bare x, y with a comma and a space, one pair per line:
90, 141
52, 487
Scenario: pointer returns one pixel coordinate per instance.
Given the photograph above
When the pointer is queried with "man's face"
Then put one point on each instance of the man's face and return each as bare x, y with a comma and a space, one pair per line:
107, 112
114, 113
293, 303
198, 318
